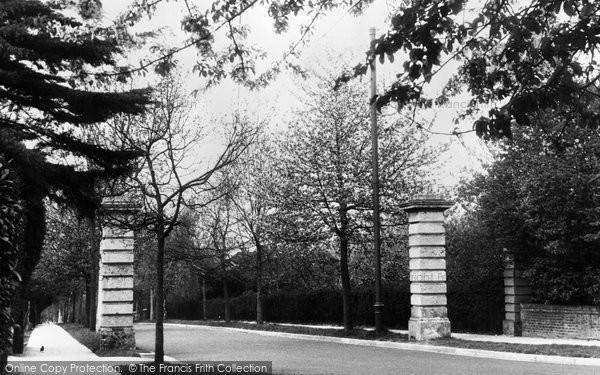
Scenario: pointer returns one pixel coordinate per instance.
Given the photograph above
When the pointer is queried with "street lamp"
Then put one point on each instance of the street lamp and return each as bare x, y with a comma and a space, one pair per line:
375, 180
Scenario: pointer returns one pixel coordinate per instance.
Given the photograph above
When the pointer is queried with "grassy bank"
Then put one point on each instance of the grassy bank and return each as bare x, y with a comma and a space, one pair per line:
92, 341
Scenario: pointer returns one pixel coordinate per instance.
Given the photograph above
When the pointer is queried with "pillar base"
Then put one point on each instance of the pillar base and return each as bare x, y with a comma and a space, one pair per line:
512, 328
117, 338
428, 328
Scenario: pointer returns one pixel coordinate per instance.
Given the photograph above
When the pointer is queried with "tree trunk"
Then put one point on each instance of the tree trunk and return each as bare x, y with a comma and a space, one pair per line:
226, 298
81, 315
27, 317
34, 317
203, 298
88, 308
151, 304
3, 361
93, 301
259, 307
94, 279
74, 308
59, 318
159, 350
67, 310
346, 292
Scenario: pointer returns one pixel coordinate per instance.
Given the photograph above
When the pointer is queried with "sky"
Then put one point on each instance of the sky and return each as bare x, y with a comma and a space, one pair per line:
340, 40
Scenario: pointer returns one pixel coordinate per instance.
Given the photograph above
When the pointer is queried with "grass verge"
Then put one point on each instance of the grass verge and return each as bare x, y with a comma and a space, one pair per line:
556, 350
92, 341
358, 333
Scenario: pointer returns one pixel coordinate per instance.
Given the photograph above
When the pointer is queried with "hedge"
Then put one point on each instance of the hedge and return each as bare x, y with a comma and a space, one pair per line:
471, 308
10, 224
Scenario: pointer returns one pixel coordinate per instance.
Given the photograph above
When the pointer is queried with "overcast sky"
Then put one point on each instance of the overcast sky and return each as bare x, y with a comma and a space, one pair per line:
340, 39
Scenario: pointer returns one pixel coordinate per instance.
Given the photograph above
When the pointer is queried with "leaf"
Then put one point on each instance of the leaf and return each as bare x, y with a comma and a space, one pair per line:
577, 69
569, 8
532, 25
587, 10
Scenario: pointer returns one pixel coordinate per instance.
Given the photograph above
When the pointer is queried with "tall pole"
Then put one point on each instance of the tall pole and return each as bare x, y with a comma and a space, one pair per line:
376, 225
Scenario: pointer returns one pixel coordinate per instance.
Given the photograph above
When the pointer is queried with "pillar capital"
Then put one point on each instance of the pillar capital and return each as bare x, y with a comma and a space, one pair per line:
120, 205
427, 202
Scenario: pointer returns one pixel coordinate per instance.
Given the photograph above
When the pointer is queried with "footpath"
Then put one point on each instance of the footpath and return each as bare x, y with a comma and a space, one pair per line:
50, 342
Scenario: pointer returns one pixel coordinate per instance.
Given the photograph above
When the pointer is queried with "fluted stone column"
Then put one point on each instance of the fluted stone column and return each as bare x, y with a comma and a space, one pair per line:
114, 317
427, 251
516, 291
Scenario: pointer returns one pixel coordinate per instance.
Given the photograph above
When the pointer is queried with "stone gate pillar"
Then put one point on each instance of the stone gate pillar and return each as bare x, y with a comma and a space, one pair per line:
516, 291
114, 317
427, 252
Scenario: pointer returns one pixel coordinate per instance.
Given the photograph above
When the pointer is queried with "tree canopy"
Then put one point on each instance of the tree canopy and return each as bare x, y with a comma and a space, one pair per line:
543, 206
44, 57
326, 163
516, 58
47, 68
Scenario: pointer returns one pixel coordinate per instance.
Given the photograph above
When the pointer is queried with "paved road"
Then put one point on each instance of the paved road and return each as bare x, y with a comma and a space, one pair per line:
292, 356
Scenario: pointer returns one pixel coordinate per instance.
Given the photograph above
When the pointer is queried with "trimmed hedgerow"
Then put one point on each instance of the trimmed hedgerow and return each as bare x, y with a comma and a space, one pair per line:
10, 218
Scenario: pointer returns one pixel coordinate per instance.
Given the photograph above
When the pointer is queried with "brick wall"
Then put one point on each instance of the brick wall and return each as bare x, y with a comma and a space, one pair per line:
561, 321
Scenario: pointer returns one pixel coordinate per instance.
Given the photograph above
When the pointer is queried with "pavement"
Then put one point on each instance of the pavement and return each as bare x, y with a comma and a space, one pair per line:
59, 345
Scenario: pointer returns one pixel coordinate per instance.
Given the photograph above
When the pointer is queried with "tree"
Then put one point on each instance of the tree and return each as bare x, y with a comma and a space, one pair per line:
254, 205
219, 239
541, 202
67, 266
10, 218
179, 279
220, 37
474, 266
327, 163
165, 180
177, 273
46, 53
518, 58
45, 104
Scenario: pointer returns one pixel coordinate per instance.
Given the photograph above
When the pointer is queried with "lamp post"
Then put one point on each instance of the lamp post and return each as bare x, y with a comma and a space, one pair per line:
375, 180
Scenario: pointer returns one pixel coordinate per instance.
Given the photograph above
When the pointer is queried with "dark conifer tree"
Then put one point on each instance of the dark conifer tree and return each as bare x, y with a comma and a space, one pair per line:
45, 58
48, 63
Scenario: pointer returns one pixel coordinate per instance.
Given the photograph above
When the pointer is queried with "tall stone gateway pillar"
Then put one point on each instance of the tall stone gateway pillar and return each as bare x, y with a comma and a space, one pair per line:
114, 317
427, 251
516, 291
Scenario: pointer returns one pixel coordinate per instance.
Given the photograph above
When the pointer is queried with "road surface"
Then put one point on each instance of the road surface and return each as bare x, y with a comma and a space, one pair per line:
293, 356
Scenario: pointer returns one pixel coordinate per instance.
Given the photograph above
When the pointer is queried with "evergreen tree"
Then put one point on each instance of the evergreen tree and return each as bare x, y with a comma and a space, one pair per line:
44, 60
47, 62
10, 214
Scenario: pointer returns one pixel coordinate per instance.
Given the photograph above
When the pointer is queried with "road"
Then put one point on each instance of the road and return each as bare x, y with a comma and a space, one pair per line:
293, 356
